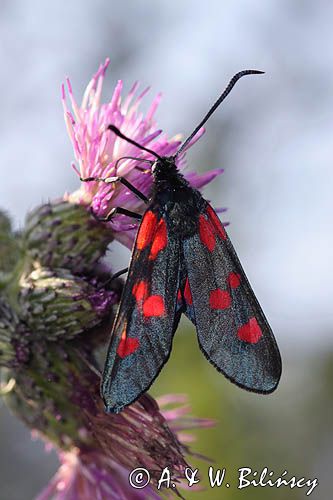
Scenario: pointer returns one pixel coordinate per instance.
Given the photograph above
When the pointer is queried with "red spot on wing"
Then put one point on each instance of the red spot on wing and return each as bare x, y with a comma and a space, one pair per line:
153, 306
250, 332
234, 280
146, 231
160, 240
216, 222
127, 346
179, 296
206, 232
140, 290
219, 299
188, 293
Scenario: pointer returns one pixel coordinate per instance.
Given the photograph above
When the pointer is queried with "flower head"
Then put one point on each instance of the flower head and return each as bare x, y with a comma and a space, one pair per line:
100, 153
90, 473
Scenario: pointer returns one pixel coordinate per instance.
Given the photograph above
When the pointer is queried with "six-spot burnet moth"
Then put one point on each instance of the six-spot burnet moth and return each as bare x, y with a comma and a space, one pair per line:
184, 262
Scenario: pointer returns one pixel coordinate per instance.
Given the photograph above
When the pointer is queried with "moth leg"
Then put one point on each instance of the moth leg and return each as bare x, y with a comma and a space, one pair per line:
119, 273
122, 180
144, 160
113, 277
113, 212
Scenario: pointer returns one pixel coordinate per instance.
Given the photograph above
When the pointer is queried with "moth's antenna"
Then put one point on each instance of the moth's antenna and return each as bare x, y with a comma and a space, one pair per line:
122, 136
224, 94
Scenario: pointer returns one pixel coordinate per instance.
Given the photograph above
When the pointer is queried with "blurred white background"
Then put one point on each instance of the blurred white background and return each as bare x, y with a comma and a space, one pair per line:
273, 135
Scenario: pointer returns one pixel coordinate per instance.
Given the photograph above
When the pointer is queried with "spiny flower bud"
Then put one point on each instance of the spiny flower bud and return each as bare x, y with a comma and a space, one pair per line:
54, 391
55, 303
14, 340
63, 235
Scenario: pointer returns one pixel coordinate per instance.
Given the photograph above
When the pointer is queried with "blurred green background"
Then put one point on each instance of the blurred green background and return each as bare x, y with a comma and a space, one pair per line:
273, 136
289, 430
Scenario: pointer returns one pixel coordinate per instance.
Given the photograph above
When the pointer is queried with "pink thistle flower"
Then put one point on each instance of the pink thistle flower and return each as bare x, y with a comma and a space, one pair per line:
98, 151
96, 473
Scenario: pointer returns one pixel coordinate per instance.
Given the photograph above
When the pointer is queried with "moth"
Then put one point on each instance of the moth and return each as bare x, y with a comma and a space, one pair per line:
184, 263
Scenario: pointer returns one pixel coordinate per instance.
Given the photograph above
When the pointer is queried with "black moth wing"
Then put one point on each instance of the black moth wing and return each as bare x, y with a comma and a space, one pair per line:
233, 332
143, 330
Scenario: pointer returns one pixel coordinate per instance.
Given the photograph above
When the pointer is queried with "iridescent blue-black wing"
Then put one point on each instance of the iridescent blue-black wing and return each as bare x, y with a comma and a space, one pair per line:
147, 317
233, 332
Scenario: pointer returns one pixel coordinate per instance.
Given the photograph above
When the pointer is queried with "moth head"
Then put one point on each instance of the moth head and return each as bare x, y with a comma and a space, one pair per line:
163, 165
